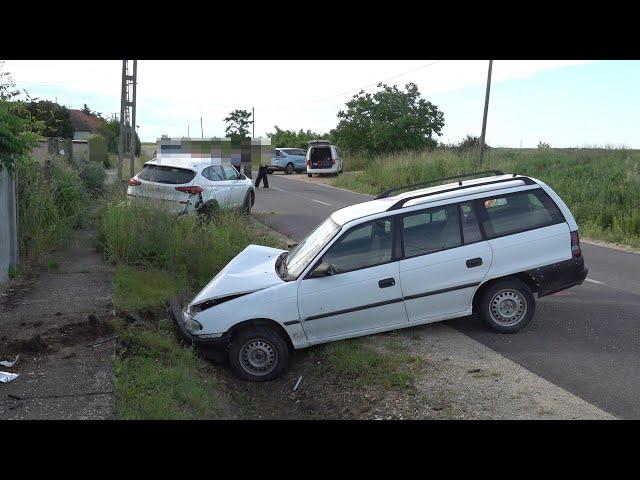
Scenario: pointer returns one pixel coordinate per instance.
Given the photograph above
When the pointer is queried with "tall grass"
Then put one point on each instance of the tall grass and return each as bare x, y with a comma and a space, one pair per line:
600, 186
48, 209
144, 235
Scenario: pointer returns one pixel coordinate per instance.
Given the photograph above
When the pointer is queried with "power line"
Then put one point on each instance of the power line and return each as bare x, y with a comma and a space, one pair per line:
376, 83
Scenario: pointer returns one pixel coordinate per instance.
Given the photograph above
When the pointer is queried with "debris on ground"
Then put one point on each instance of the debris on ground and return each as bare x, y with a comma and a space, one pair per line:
9, 363
297, 383
6, 377
103, 341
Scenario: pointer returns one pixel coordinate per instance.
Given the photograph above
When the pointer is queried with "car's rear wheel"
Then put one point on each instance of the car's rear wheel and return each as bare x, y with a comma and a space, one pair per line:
289, 169
309, 175
258, 354
209, 211
269, 171
507, 306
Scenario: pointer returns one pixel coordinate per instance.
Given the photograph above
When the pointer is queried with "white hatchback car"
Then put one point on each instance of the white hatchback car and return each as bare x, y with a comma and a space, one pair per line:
192, 185
481, 246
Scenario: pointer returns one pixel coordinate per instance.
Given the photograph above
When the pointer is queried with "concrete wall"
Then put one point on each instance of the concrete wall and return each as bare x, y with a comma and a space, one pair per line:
8, 225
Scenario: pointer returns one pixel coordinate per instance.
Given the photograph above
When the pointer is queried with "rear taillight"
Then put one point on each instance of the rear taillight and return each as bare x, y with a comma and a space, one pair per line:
134, 182
308, 163
333, 161
194, 190
575, 244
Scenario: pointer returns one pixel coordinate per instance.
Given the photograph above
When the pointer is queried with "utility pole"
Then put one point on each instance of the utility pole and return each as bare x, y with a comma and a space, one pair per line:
253, 122
486, 109
127, 114
133, 121
188, 131
201, 129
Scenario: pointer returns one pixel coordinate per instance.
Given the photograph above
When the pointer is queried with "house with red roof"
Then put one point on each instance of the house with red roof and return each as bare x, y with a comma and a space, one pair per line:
84, 124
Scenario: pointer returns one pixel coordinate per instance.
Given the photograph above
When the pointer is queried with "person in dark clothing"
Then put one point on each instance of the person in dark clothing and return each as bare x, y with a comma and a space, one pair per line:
262, 175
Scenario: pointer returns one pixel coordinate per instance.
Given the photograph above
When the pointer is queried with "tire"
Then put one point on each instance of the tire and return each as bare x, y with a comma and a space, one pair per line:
507, 306
269, 172
258, 354
209, 211
309, 175
247, 204
289, 169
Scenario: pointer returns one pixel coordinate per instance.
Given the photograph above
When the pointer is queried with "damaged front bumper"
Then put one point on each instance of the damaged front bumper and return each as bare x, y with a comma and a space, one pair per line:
209, 342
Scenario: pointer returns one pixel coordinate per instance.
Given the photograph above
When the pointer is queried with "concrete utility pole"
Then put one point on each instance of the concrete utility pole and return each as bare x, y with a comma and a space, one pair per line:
133, 120
253, 122
201, 129
486, 109
127, 117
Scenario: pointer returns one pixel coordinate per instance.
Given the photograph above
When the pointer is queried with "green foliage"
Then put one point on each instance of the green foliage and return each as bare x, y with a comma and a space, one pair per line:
98, 149
157, 379
293, 139
359, 361
110, 130
389, 120
601, 187
469, 142
47, 210
92, 175
18, 133
140, 290
238, 123
12, 271
55, 118
145, 235
542, 144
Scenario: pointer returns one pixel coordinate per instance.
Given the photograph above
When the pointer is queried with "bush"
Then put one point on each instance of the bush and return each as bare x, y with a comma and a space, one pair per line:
92, 175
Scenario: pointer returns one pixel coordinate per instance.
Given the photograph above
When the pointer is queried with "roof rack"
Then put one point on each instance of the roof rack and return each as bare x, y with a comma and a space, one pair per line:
386, 193
318, 142
400, 203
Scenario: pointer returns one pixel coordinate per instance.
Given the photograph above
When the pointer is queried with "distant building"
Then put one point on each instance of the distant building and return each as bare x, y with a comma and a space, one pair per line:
84, 125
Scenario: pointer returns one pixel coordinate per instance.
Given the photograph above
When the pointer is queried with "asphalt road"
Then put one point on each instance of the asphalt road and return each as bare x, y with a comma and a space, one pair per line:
585, 340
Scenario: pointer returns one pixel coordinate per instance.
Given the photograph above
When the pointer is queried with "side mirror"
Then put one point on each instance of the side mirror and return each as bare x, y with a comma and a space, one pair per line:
323, 270
292, 245
241, 176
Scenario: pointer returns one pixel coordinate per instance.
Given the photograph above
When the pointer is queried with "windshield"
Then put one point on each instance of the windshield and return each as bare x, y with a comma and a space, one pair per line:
307, 249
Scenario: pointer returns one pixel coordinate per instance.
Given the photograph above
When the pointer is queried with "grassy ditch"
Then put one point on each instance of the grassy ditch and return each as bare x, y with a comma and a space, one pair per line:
600, 186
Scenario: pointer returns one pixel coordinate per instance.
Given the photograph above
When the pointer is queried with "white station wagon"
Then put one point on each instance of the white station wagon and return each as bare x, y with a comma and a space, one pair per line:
483, 246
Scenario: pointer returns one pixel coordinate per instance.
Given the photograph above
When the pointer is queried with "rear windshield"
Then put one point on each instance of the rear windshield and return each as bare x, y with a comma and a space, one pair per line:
162, 174
295, 151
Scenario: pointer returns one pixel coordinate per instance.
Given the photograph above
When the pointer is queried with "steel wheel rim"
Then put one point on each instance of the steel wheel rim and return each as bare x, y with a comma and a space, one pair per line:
258, 357
507, 307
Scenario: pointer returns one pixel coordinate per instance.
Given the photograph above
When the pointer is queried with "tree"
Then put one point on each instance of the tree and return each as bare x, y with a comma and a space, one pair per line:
238, 123
87, 110
18, 132
543, 145
291, 138
388, 120
110, 129
54, 117
471, 142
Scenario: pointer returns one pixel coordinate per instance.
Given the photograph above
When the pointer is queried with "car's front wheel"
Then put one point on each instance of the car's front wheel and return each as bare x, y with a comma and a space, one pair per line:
248, 203
258, 354
507, 306
309, 175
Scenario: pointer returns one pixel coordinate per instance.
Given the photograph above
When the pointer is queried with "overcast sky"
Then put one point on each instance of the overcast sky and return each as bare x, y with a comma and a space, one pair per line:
565, 103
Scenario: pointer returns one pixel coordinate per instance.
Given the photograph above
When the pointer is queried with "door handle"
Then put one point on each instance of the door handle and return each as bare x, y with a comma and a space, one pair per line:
474, 262
387, 282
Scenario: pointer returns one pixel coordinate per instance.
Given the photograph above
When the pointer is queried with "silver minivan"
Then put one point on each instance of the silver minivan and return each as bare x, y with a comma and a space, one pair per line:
323, 157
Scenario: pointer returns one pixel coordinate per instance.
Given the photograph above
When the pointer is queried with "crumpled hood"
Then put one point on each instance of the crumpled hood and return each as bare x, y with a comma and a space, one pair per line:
251, 270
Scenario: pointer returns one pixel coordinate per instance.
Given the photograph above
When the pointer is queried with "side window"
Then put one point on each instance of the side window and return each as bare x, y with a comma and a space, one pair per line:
279, 153
470, 227
518, 212
364, 246
431, 230
213, 173
230, 173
